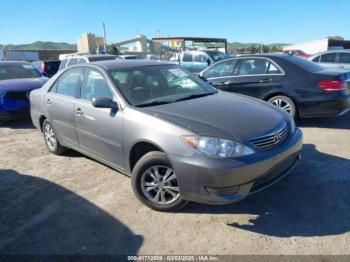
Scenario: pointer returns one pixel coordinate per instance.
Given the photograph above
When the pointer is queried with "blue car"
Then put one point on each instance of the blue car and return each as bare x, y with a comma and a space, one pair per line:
17, 79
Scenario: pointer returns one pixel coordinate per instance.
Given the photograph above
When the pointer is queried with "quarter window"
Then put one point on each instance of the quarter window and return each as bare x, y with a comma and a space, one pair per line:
94, 85
316, 59
273, 69
68, 83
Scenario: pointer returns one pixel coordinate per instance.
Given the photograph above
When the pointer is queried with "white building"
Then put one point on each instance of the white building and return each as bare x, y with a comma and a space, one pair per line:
316, 46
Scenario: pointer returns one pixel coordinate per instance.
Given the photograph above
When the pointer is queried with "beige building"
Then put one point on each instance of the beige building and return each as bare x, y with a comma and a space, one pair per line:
89, 43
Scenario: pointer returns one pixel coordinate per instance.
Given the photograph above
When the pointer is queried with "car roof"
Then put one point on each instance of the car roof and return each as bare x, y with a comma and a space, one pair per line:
88, 55
330, 52
122, 64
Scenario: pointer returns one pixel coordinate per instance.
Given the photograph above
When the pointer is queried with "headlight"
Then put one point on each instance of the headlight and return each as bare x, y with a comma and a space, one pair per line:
216, 147
2, 93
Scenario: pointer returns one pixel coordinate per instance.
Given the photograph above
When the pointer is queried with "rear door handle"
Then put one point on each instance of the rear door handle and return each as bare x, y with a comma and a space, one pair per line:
48, 101
267, 80
78, 111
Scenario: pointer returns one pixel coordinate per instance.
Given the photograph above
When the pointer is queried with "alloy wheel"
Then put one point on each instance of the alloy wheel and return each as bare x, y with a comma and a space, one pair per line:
50, 137
159, 185
282, 104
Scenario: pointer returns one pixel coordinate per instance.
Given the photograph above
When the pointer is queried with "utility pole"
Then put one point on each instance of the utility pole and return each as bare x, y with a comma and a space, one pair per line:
104, 38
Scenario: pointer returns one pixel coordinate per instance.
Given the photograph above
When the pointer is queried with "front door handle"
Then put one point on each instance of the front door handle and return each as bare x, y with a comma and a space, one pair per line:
78, 111
222, 83
48, 101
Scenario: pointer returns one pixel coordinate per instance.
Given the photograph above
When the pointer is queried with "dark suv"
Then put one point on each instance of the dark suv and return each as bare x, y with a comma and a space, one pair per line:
48, 67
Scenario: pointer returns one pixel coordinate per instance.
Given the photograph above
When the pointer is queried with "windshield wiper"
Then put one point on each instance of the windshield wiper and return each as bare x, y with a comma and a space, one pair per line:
194, 96
153, 103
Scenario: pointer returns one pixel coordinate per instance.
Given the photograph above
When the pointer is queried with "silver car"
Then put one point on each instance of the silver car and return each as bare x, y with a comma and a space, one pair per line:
177, 137
335, 59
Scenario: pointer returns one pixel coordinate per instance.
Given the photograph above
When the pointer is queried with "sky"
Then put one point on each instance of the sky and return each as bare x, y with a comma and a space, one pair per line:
264, 21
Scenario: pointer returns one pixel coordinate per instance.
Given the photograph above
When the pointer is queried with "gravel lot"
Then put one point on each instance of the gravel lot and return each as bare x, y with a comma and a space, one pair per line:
74, 205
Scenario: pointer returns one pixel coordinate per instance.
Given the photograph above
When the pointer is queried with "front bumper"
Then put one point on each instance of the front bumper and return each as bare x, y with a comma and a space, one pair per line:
12, 109
220, 181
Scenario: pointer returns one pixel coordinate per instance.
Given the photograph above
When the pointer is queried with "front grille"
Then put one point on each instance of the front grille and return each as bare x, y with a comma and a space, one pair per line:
271, 140
20, 95
274, 175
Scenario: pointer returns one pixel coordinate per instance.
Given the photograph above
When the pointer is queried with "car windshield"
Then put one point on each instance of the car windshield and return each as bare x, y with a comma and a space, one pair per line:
155, 85
216, 55
15, 71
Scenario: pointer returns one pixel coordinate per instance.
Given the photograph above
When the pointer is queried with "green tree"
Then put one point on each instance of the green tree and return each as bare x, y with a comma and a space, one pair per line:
336, 37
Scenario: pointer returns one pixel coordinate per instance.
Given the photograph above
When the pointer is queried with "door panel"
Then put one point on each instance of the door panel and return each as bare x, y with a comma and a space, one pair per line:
60, 104
60, 110
99, 130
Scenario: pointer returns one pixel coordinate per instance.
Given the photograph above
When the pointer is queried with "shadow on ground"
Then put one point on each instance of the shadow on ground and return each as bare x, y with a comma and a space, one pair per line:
314, 200
341, 122
21, 123
40, 217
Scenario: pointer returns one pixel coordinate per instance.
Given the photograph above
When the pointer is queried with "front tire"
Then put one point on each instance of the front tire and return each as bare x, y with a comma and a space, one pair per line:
51, 141
155, 184
284, 103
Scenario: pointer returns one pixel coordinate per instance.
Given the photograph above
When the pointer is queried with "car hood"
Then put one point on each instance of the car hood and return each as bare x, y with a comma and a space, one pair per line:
25, 84
223, 115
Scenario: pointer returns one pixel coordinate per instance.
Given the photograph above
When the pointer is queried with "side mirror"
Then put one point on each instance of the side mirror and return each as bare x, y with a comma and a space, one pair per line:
202, 77
104, 102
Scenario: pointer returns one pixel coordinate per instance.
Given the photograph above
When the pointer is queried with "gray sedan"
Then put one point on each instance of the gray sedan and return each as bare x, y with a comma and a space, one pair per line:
177, 137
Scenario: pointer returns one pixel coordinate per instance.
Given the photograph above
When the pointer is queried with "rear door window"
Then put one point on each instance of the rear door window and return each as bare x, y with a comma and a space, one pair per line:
344, 58
253, 66
68, 83
201, 58
328, 58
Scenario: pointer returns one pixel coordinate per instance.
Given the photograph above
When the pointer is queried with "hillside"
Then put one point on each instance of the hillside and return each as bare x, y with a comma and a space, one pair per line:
41, 45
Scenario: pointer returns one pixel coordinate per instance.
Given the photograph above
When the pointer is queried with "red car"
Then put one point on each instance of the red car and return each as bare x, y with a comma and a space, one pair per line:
297, 53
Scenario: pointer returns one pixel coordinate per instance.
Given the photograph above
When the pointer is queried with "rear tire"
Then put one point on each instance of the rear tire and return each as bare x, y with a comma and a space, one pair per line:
51, 141
284, 103
155, 184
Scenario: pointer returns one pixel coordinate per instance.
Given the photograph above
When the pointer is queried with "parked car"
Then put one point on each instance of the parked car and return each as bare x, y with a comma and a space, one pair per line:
77, 59
17, 79
336, 59
176, 136
197, 60
48, 67
300, 87
299, 53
